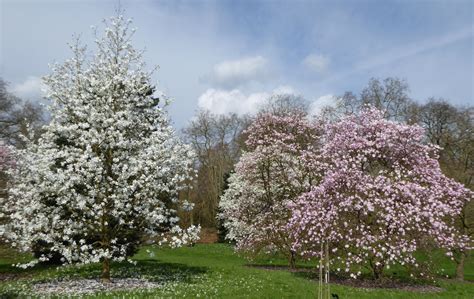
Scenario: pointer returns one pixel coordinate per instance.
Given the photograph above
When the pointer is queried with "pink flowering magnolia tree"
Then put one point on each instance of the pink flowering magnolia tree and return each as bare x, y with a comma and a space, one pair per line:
383, 197
277, 168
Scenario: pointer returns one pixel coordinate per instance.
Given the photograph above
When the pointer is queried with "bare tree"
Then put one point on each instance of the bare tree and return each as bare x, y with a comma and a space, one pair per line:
16, 115
349, 103
346, 104
285, 103
452, 128
217, 142
389, 95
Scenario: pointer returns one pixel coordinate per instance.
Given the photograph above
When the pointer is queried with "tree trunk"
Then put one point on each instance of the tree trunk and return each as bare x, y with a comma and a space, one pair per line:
460, 267
105, 271
292, 260
377, 271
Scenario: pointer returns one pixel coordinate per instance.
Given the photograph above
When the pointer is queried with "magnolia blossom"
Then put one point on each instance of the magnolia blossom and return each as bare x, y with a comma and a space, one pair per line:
106, 172
280, 165
383, 196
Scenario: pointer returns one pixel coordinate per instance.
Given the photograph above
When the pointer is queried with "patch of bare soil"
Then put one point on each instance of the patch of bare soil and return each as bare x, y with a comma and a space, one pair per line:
285, 268
208, 236
359, 283
385, 284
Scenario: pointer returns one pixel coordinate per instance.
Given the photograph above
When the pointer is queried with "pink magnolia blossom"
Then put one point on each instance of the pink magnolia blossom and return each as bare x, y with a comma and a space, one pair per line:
382, 197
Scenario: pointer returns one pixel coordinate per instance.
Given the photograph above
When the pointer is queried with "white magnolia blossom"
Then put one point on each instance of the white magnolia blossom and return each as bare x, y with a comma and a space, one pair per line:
106, 172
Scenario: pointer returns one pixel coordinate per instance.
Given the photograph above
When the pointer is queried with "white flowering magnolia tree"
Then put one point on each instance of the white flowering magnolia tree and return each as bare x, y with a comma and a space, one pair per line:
106, 172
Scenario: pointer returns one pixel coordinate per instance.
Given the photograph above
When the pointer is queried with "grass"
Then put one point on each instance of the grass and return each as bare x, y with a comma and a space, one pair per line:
215, 271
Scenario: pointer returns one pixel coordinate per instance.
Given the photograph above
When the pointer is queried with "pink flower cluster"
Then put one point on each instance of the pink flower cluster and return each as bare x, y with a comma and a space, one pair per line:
382, 196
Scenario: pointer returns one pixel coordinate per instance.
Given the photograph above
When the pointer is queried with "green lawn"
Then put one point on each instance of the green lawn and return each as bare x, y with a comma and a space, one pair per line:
213, 271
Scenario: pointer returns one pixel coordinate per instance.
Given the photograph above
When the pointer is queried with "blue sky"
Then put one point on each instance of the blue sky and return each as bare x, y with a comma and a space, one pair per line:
230, 55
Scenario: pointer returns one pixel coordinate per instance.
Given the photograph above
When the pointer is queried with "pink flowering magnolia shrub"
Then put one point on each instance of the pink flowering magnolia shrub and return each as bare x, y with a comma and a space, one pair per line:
382, 197
277, 168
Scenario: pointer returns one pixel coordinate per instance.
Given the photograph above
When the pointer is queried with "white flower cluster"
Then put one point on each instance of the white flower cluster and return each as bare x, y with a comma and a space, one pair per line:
188, 236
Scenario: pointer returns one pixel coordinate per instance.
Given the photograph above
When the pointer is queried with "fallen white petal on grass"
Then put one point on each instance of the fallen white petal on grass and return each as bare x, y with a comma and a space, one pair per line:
90, 286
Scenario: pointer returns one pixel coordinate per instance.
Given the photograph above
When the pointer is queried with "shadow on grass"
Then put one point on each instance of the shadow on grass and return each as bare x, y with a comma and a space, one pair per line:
392, 280
368, 282
150, 269
265, 266
155, 270
9, 272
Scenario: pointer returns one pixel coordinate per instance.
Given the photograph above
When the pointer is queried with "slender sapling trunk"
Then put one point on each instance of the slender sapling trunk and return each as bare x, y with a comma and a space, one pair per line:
105, 278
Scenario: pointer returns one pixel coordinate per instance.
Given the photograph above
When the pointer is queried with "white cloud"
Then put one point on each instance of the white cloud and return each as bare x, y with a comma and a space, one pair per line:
317, 62
30, 89
234, 73
224, 101
321, 102
221, 101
